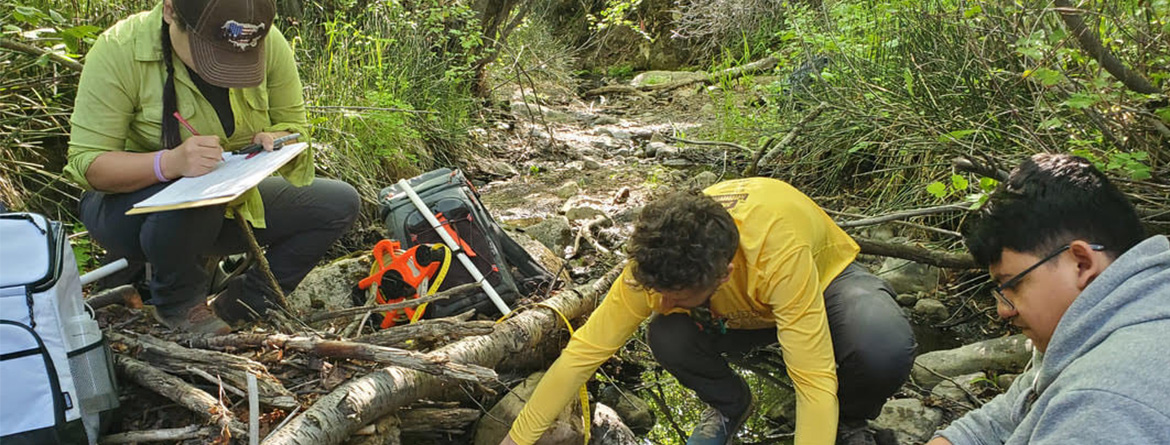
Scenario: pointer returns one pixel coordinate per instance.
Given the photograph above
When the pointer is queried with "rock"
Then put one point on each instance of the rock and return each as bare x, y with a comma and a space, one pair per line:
567, 190
622, 135
583, 212
531, 110
1000, 354
678, 162
1005, 380
907, 299
625, 152
541, 253
497, 169
703, 180
328, 287
635, 412
592, 164
605, 144
603, 131
553, 233
958, 392
653, 148
660, 77
605, 120
910, 421
907, 276
931, 309
492, 428
666, 152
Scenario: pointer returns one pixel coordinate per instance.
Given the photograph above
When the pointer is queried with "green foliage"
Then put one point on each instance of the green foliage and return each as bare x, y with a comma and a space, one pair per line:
1132, 165
617, 14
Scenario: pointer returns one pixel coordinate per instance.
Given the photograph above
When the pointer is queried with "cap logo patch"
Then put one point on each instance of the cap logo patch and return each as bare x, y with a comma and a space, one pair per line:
241, 35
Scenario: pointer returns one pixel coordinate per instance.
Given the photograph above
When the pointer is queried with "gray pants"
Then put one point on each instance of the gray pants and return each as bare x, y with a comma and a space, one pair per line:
872, 342
303, 222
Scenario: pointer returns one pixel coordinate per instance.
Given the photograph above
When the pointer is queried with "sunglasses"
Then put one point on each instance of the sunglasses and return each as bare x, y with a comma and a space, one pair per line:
1013, 281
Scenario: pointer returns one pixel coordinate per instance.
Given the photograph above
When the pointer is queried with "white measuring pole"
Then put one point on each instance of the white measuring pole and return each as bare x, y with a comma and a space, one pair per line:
426, 213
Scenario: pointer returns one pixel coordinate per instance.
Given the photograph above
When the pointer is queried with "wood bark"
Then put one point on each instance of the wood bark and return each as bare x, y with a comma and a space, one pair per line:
433, 364
766, 154
233, 369
903, 215
182, 393
360, 401
34, 51
437, 420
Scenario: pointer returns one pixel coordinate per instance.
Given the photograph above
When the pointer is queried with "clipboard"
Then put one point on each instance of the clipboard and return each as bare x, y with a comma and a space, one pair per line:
230, 179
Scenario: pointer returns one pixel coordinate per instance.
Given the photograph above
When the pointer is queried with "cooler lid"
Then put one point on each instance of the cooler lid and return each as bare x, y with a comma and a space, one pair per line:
26, 250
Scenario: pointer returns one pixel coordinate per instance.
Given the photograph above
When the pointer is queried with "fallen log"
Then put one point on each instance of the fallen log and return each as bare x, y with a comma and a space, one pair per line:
430, 331
428, 363
176, 359
360, 401
764, 64
437, 420
125, 295
182, 393
768, 153
161, 435
919, 254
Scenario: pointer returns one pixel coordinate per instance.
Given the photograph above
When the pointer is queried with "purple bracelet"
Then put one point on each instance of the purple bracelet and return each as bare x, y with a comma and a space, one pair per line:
158, 167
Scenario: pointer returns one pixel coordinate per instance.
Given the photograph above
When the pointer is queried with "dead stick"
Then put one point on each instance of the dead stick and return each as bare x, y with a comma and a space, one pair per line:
160, 435
32, 50
182, 393
429, 363
461, 289
903, 215
261, 260
125, 295
766, 155
919, 254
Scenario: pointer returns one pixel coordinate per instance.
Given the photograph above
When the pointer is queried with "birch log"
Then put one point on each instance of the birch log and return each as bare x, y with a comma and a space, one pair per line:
361, 401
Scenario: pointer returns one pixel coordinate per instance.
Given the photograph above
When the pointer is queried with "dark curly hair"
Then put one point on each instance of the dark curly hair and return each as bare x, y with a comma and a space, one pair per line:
1048, 201
684, 240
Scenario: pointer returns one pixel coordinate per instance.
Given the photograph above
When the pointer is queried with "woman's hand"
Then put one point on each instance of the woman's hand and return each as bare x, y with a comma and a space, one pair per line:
268, 139
196, 156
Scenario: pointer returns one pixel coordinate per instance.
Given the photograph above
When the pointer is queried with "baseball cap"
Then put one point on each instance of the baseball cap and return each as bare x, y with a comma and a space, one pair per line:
227, 38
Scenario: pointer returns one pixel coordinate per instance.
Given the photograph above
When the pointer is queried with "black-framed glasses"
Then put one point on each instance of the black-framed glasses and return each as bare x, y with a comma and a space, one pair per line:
1013, 281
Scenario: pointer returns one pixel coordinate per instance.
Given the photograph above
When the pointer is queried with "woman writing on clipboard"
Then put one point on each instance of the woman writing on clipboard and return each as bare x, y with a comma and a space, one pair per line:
225, 70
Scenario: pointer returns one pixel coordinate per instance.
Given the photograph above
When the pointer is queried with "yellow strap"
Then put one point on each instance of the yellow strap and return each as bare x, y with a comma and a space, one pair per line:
418, 313
583, 393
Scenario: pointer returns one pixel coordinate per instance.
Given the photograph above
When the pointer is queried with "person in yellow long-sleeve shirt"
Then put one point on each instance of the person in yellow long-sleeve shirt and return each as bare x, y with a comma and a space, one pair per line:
744, 265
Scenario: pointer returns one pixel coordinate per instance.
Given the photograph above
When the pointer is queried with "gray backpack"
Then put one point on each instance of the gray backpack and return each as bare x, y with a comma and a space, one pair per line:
55, 366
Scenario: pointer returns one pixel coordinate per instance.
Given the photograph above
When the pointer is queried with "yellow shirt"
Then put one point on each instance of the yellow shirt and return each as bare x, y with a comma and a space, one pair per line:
119, 103
789, 251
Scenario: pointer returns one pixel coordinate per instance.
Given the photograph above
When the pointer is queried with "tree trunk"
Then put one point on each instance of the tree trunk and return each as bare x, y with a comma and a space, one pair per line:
1091, 43
335, 416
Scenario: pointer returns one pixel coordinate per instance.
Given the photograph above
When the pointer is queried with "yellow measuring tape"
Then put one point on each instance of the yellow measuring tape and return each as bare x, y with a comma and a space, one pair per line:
583, 393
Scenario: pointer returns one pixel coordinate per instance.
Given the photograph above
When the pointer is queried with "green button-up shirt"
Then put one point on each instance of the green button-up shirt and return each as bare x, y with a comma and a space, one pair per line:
119, 103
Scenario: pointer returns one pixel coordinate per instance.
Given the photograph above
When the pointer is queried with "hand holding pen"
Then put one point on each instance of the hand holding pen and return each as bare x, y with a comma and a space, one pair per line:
196, 156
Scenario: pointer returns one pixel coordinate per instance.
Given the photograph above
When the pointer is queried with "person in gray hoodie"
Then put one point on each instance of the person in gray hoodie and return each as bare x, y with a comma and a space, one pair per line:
1072, 270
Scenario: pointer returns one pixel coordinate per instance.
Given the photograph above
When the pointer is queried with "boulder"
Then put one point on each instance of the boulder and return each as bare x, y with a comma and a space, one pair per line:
634, 412
908, 299
931, 309
608, 428
910, 421
906, 276
958, 389
553, 232
328, 287
567, 190
541, 253
703, 180
1005, 380
1006, 354
605, 120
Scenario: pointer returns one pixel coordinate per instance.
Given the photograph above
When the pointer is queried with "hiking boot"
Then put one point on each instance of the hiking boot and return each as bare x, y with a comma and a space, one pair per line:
716, 429
236, 304
197, 319
854, 432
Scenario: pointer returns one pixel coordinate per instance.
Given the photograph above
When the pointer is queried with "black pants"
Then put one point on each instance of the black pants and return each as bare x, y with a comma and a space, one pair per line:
303, 222
872, 342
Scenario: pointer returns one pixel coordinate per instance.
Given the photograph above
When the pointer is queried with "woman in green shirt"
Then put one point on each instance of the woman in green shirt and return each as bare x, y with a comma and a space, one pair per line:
222, 66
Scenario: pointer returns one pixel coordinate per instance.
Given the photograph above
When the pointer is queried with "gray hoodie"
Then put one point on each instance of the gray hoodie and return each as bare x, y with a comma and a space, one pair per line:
1105, 378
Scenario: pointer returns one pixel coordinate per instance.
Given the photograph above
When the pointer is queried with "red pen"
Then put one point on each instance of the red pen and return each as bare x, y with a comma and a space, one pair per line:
188, 126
